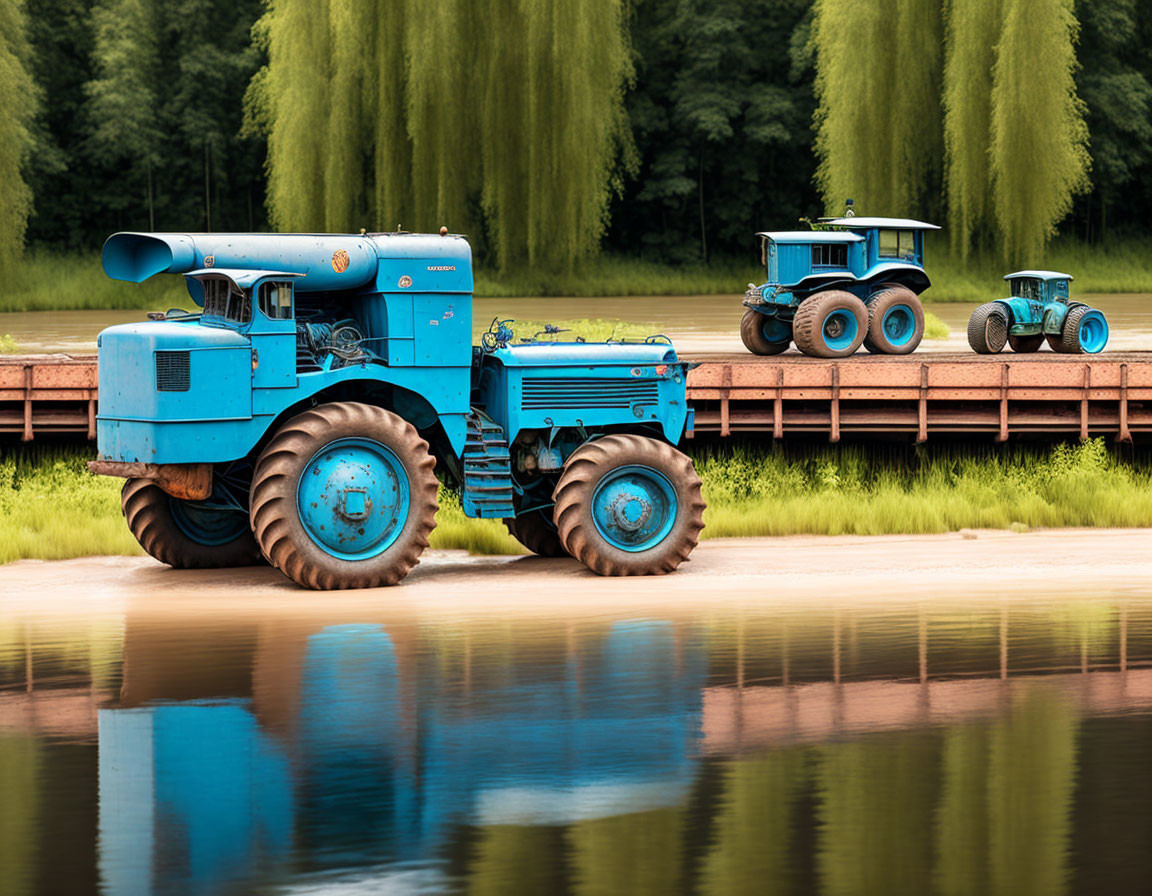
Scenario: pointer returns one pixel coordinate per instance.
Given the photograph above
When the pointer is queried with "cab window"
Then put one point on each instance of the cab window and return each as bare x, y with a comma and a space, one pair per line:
224, 299
1025, 288
897, 244
276, 300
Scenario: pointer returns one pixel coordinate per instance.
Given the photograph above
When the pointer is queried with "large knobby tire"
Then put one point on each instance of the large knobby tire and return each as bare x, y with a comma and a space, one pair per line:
537, 532
1024, 345
764, 335
344, 496
988, 329
1085, 330
830, 324
895, 321
627, 505
186, 534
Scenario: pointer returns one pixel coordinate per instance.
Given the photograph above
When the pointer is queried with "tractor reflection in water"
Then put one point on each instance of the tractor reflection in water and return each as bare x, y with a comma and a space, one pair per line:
1037, 308
356, 755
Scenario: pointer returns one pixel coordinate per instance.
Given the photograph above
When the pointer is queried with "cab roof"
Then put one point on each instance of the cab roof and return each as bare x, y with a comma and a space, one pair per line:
1039, 275
854, 222
242, 277
812, 236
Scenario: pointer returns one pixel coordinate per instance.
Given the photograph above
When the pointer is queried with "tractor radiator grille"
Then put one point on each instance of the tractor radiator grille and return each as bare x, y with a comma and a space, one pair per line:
601, 392
172, 372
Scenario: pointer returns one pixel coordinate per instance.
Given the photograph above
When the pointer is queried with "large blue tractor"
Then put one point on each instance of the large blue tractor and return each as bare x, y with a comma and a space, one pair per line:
854, 281
301, 414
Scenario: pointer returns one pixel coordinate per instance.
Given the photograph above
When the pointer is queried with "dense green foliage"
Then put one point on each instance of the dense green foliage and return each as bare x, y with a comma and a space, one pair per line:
18, 100
52, 508
663, 130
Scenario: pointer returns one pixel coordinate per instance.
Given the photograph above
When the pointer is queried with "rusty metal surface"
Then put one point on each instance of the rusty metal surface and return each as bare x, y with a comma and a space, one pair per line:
190, 482
921, 395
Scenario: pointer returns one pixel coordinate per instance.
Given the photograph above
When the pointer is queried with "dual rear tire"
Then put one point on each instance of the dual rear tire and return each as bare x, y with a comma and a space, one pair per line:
835, 323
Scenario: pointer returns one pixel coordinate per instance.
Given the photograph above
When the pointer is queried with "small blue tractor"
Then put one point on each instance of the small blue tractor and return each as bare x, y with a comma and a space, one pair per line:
1036, 309
850, 282
299, 415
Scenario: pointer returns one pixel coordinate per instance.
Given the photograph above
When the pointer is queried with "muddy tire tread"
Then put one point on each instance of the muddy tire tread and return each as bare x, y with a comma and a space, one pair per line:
281, 537
809, 319
573, 496
146, 510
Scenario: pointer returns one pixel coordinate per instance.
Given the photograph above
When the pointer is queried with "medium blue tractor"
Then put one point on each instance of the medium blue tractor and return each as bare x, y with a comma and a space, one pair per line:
301, 413
1037, 308
851, 282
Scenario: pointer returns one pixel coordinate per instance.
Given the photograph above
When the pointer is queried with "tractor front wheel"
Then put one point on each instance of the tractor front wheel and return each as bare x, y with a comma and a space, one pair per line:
344, 496
187, 534
830, 324
764, 335
895, 321
988, 329
537, 532
629, 505
1025, 344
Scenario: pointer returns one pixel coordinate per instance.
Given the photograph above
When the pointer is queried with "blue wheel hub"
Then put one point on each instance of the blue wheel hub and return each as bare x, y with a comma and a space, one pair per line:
206, 523
634, 508
898, 323
839, 329
1093, 333
353, 498
775, 330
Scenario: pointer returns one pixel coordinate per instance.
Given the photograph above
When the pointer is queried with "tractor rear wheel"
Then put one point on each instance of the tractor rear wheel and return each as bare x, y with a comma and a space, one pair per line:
537, 532
628, 505
1085, 330
1025, 344
830, 324
895, 321
187, 534
344, 496
988, 329
764, 335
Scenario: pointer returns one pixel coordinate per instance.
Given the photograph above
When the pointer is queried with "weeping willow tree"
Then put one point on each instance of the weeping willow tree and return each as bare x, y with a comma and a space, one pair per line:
878, 118
553, 126
400, 112
1039, 156
972, 32
17, 107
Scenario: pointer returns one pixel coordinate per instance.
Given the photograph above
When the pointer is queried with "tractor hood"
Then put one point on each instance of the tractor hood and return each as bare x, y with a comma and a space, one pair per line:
552, 354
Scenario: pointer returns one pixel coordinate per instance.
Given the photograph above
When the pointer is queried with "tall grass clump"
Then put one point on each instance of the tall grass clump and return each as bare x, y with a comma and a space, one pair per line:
8, 345
52, 508
856, 491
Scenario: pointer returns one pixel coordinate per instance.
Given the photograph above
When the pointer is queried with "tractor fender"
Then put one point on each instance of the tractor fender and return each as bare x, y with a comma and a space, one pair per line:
1055, 313
908, 275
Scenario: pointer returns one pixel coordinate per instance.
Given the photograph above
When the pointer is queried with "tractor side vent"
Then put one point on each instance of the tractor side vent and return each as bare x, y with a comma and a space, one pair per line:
172, 372
596, 392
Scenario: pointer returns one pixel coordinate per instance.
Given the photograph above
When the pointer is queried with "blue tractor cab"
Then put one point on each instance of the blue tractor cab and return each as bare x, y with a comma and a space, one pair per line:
851, 281
1038, 308
301, 413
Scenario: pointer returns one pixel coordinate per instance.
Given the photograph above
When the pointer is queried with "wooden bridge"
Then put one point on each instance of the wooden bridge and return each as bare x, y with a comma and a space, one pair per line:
917, 396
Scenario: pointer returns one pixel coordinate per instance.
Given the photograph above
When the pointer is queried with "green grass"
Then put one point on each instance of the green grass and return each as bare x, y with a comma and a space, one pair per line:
875, 491
51, 508
48, 281
8, 345
1121, 266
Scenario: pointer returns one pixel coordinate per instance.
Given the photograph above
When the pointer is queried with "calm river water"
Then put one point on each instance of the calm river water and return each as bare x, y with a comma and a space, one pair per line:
695, 323
982, 746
